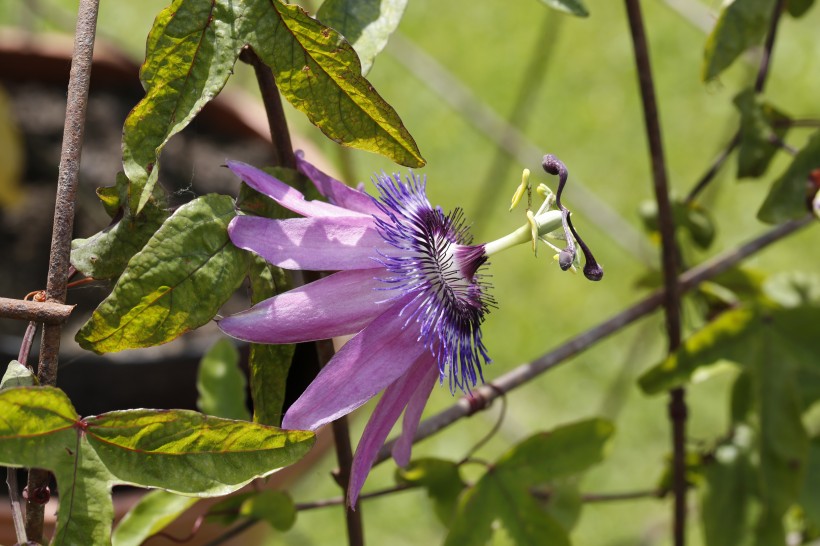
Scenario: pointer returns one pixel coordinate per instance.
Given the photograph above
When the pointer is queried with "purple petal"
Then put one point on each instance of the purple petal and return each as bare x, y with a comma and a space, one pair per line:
373, 359
283, 194
385, 415
338, 305
412, 415
319, 244
337, 192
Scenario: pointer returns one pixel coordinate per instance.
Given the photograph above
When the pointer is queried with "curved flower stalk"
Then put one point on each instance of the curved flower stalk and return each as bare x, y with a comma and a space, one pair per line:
408, 285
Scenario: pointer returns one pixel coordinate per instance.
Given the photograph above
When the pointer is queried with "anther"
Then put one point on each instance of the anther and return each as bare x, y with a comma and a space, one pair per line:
592, 270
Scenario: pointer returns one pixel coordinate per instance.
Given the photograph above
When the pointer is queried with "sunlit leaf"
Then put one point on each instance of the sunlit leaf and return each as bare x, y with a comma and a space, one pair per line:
441, 479
689, 216
575, 7
366, 24
178, 450
741, 25
743, 335
106, 254
17, 375
176, 283
154, 511
190, 53
186, 452
789, 195
319, 74
221, 384
759, 131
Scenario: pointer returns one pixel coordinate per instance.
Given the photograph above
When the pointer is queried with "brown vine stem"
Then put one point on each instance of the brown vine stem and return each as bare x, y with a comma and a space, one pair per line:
483, 396
279, 133
669, 260
48, 312
712, 171
284, 156
76, 104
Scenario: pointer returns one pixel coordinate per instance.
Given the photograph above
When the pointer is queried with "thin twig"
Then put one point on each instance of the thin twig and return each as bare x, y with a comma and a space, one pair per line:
765, 61
67, 178
46, 311
482, 397
710, 173
669, 260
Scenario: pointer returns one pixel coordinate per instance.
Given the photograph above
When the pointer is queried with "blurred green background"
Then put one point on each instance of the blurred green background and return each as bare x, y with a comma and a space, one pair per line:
457, 64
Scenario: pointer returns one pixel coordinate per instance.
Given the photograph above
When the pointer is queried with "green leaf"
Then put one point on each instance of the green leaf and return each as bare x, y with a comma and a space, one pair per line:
17, 375
365, 24
476, 512
743, 335
41, 429
783, 440
178, 450
758, 134
810, 495
268, 364
575, 7
150, 515
442, 480
789, 196
689, 216
726, 491
522, 517
189, 56
176, 283
741, 25
704, 347
564, 451
186, 452
320, 75
106, 254
274, 507
221, 384
798, 8
564, 502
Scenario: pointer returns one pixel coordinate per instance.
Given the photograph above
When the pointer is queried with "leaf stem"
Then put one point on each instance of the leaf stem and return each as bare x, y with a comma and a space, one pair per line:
765, 61
279, 133
67, 179
712, 171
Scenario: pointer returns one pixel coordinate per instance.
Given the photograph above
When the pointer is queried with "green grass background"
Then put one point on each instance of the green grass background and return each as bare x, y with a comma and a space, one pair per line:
587, 112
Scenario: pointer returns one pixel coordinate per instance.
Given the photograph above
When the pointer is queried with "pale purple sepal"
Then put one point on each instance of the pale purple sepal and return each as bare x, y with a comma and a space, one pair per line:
285, 195
372, 360
318, 244
412, 415
337, 305
337, 192
387, 412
